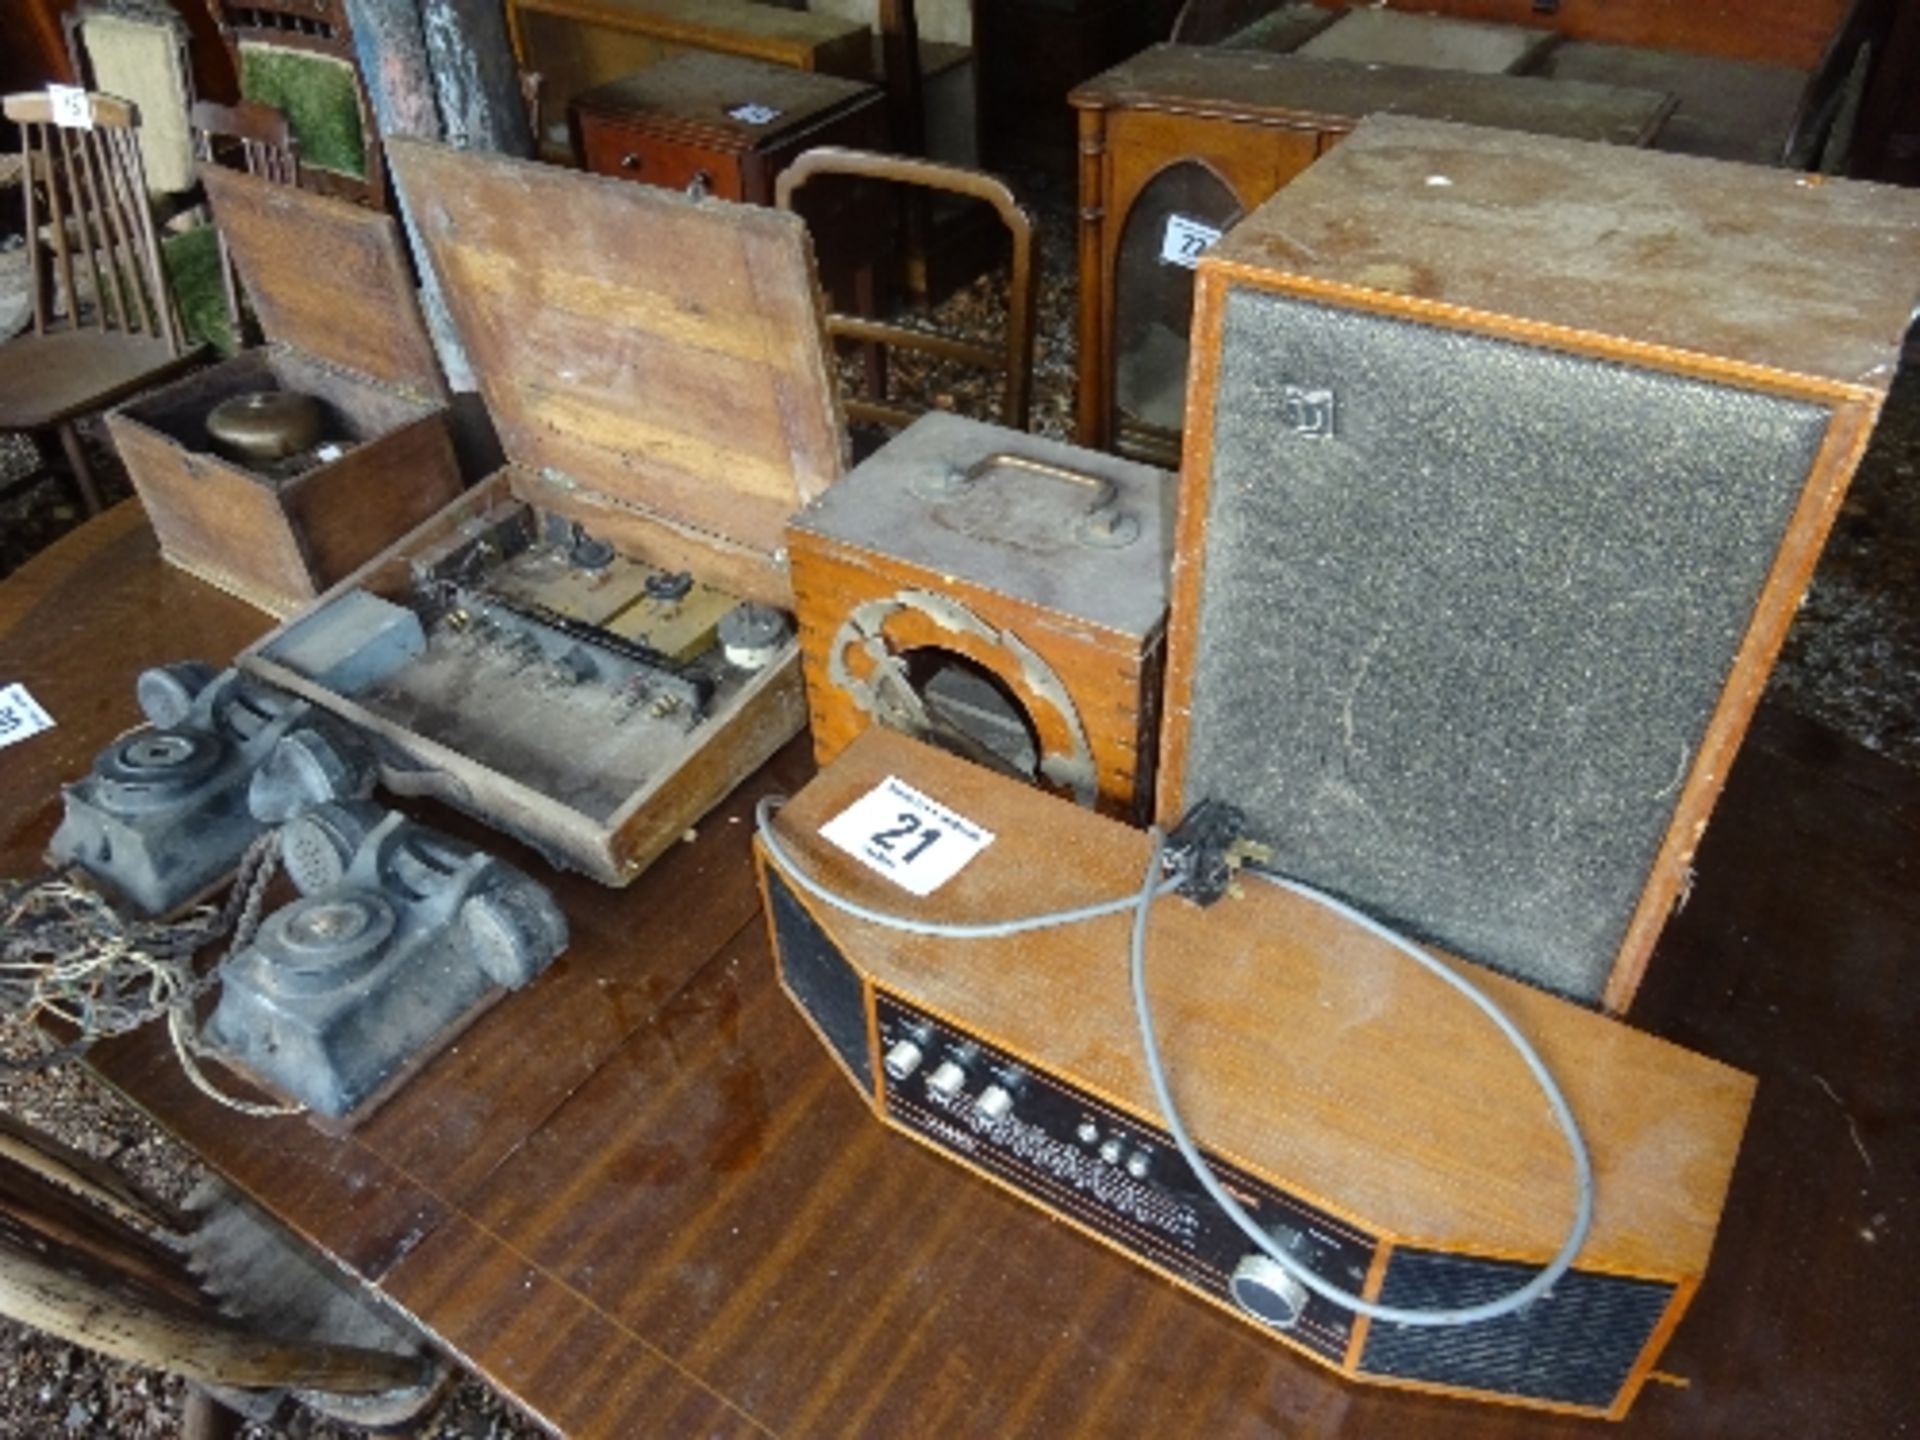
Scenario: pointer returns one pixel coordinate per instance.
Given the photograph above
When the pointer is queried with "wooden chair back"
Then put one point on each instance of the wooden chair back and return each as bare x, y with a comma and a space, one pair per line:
257, 134
161, 90
86, 197
1015, 357
260, 138
321, 28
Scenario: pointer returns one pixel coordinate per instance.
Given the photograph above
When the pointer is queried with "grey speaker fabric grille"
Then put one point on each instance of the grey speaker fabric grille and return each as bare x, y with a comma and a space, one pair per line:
1577, 1346
817, 973
1456, 657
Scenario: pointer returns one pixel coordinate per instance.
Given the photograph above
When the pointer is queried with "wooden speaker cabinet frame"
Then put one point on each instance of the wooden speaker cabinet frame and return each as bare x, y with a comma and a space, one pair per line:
1736, 287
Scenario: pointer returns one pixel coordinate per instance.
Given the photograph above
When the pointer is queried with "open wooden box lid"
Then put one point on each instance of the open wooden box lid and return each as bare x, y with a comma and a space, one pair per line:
666, 353
327, 278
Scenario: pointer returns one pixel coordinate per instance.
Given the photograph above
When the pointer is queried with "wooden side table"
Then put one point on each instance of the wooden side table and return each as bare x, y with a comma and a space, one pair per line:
724, 126
1180, 142
574, 45
719, 124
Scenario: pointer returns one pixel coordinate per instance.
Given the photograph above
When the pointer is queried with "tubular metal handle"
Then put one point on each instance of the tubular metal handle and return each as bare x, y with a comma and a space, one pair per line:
1103, 524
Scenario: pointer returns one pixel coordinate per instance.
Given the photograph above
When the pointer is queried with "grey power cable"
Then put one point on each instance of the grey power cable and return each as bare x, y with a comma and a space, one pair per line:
1513, 1300
986, 930
1140, 903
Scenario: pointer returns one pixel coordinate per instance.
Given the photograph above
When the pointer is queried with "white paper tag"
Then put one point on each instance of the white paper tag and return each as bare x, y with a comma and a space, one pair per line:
20, 715
1185, 241
913, 840
72, 106
328, 453
754, 114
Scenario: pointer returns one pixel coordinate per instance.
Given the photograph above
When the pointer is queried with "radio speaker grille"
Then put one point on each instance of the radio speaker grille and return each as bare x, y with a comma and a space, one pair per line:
1576, 1347
1467, 609
819, 978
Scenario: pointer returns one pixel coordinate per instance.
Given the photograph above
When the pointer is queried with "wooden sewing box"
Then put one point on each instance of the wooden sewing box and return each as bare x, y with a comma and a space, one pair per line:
660, 386
335, 299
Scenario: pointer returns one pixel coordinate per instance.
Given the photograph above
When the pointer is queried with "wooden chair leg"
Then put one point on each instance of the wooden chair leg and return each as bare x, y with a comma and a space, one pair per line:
866, 304
77, 464
206, 1418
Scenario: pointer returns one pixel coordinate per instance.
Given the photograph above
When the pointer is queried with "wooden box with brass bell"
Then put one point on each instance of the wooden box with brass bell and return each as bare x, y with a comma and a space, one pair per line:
276, 473
998, 594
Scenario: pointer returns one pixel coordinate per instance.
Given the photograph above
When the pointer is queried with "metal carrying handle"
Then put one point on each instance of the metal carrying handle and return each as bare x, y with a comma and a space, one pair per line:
1103, 523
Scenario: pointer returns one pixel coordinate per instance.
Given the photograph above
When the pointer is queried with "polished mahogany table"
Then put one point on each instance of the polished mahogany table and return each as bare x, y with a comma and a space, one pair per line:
640, 1200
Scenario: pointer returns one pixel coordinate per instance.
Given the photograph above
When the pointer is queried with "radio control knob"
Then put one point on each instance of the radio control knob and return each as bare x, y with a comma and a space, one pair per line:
903, 1059
1267, 1292
946, 1080
1138, 1164
1111, 1149
995, 1103
1087, 1133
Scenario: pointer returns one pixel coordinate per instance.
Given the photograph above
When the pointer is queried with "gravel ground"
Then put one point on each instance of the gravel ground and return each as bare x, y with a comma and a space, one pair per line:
1849, 662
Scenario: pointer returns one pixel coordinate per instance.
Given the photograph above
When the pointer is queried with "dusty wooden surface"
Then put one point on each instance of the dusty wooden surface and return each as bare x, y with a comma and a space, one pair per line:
1759, 270
641, 1198
1785, 32
1260, 89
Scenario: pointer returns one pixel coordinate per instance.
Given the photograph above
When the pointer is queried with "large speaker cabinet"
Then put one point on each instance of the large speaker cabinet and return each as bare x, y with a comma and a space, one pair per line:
1350, 1100
1508, 460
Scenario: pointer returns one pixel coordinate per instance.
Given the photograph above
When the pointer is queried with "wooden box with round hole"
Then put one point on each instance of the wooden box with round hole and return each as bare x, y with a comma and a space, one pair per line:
997, 594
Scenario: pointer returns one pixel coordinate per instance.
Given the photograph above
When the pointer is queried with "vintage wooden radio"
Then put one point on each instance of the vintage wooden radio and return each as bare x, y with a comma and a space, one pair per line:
335, 297
591, 647
1178, 143
1366, 1118
998, 594
1508, 460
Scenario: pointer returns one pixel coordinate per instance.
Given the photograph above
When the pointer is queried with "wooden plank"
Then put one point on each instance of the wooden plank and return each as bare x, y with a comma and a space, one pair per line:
327, 277
780, 36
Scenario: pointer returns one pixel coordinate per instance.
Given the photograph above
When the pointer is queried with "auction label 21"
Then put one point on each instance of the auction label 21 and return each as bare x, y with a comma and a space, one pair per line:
910, 838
